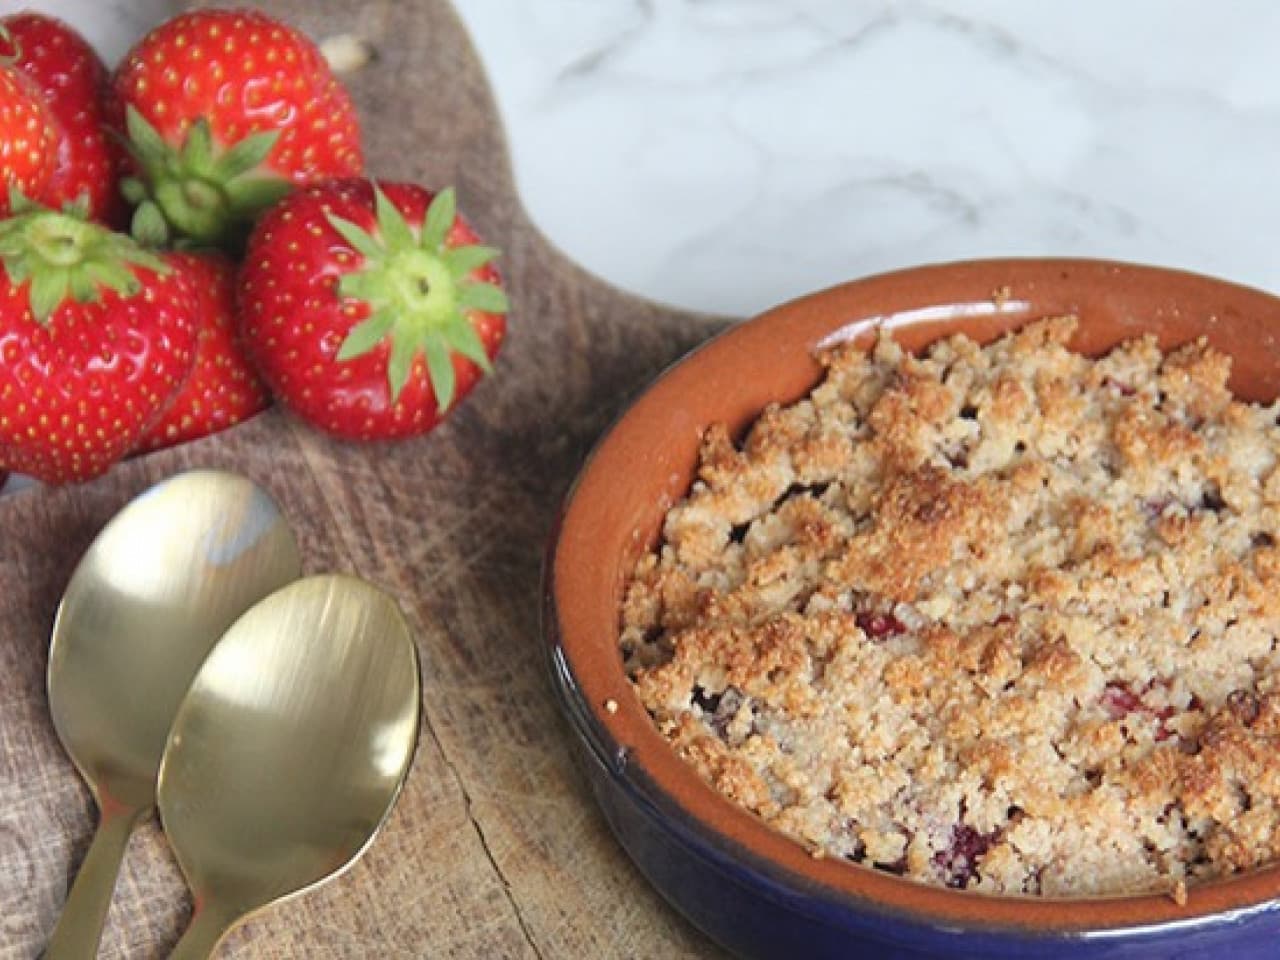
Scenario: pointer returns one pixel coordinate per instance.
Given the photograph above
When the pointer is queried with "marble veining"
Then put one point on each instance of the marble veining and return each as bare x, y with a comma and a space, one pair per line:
728, 154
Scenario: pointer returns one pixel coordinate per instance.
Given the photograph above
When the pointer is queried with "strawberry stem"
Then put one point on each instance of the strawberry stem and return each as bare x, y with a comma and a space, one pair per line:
207, 192
419, 291
61, 256
59, 240
194, 208
421, 287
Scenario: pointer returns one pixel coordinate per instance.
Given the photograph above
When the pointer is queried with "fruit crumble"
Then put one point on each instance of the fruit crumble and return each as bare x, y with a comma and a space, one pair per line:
997, 618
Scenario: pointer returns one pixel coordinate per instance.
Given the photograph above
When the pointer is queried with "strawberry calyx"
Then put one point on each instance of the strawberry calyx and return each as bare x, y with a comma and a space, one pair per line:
419, 291
64, 255
200, 193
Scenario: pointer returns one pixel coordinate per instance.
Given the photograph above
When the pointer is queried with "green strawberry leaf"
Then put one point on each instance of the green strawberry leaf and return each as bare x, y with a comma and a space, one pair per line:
483, 296
113, 276
395, 232
247, 197
400, 364
83, 287
246, 155
48, 290
197, 150
462, 260
11, 242
149, 226
366, 335
363, 287
125, 251
79, 207
20, 203
440, 216
18, 269
440, 369
133, 190
145, 142
463, 338
357, 237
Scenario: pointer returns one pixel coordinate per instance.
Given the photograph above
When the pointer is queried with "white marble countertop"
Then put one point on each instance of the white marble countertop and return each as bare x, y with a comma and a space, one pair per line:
729, 154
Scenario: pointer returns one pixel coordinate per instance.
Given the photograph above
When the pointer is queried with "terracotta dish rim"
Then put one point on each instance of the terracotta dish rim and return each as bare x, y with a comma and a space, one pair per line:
645, 462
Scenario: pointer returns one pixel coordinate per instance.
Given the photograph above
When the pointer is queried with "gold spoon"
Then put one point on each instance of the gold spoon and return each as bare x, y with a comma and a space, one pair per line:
160, 584
288, 752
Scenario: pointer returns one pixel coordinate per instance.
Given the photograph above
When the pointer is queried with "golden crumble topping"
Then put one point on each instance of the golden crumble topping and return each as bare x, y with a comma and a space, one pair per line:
998, 618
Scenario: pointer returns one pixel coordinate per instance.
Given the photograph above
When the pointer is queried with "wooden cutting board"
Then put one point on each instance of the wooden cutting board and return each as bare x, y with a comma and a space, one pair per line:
496, 848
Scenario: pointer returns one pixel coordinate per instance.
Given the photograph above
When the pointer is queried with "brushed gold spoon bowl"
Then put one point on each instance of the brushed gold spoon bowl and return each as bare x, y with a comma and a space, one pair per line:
161, 583
290, 749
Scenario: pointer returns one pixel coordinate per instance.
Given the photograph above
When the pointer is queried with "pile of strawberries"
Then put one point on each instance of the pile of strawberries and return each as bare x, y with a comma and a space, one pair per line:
192, 234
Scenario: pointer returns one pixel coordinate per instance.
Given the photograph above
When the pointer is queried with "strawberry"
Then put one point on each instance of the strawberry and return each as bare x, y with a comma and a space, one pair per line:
370, 311
226, 111
222, 389
28, 138
95, 339
74, 84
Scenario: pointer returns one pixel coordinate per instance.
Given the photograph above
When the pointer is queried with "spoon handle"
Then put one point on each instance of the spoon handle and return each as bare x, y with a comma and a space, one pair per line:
208, 926
79, 927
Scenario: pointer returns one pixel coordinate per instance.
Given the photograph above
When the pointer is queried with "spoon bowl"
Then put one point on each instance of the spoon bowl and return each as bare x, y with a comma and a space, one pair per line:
290, 749
156, 589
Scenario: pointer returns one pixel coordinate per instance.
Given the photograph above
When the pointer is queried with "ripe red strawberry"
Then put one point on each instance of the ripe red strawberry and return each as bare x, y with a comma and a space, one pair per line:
226, 111
369, 311
28, 138
222, 389
74, 84
95, 339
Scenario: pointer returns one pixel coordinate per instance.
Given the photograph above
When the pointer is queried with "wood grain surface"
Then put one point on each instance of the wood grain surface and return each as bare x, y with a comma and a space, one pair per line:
496, 848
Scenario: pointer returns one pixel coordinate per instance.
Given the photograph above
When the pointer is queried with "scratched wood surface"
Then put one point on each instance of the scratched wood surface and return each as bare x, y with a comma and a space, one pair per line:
495, 849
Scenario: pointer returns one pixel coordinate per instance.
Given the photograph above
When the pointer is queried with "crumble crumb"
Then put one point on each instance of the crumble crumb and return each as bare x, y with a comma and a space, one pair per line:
997, 618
